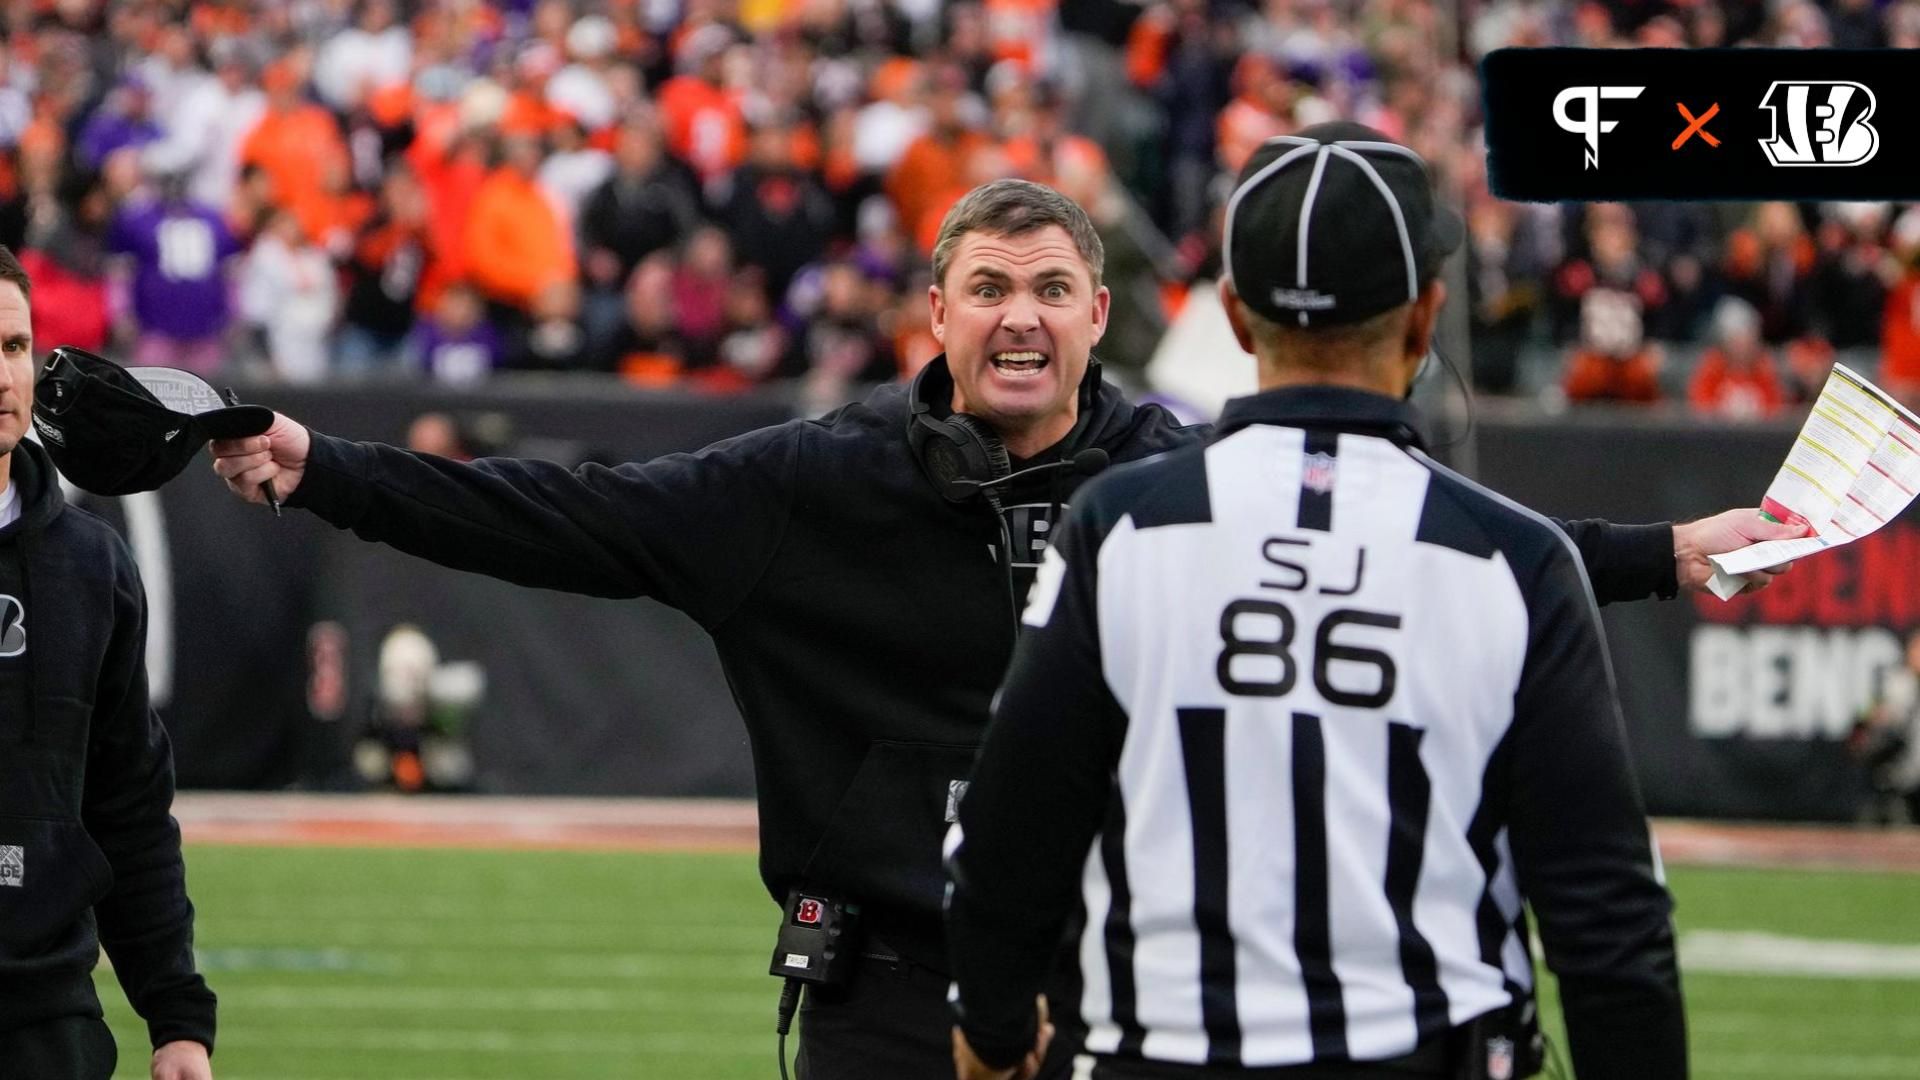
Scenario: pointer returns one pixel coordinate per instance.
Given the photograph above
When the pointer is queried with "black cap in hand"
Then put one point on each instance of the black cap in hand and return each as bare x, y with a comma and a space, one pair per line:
114, 430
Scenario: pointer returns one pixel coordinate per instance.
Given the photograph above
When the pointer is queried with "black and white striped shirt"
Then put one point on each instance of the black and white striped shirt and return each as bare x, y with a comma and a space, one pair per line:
1299, 720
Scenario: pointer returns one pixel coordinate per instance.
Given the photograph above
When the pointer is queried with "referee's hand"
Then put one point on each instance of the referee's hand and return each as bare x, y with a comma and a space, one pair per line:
967, 1066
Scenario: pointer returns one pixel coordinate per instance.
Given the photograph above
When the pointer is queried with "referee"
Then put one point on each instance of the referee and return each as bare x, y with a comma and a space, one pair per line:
1303, 721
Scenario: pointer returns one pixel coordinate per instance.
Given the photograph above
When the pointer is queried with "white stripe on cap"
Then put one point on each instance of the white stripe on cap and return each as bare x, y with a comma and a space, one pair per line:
1306, 219
1233, 204
1394, 148
1393, 204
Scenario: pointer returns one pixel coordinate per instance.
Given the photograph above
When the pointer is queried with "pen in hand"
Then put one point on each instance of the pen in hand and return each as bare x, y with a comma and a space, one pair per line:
266, 486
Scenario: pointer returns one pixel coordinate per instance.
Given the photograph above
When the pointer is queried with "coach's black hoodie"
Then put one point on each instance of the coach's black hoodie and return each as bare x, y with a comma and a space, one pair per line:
863, 620
89, 852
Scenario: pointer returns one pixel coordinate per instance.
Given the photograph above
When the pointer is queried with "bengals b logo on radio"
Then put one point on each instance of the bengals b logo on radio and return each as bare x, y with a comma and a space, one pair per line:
1820, 123
810, 912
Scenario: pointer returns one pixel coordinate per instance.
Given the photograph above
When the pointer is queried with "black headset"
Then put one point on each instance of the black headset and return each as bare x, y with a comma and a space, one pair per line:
961, 454
958, 453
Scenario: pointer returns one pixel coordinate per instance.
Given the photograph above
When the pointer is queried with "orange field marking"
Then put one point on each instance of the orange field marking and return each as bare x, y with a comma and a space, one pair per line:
701, 825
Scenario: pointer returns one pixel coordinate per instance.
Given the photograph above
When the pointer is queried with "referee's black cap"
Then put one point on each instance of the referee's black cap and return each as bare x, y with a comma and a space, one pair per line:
1334, 225
114, 430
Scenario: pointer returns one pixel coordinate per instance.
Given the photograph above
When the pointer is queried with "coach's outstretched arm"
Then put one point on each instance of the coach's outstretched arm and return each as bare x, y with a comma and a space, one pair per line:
691, 530
1633, 562
1693, 541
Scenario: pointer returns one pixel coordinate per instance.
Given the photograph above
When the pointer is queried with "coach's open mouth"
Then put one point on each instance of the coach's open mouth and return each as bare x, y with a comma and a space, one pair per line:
1020, 364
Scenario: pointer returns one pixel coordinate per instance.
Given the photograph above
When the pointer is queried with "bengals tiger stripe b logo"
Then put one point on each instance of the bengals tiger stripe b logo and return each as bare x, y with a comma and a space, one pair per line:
1819, 124
13, 627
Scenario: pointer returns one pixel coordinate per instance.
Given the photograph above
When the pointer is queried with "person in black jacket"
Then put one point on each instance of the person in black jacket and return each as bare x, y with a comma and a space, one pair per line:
1301, 719
778, 216
650, 204
89, 853
859, 574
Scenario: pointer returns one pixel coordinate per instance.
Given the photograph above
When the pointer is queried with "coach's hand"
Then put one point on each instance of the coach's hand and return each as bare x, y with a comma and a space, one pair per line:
1721, 533
280, 456
969, 1067
182, 1060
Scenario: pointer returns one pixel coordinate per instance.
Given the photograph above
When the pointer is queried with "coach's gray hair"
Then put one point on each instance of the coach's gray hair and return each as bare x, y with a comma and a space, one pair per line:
1015, 208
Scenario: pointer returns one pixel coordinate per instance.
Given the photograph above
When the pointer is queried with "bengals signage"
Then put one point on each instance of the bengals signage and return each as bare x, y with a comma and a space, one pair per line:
1737, 709
1802, 658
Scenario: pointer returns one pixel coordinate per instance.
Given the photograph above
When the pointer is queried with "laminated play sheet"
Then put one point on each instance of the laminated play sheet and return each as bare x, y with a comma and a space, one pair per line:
1854, 467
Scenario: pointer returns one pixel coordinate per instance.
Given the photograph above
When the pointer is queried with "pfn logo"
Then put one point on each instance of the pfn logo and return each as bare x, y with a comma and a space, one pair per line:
1589, 125
1826, 124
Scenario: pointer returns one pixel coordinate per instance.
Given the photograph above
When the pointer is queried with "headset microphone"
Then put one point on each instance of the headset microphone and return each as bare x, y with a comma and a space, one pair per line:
1085, 463
1089, 462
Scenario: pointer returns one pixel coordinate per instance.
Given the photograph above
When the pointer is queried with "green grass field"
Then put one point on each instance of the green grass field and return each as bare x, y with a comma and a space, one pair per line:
383, 964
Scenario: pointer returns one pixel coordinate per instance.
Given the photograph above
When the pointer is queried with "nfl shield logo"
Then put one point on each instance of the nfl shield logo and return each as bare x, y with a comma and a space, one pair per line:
1499, 1059
1318, 472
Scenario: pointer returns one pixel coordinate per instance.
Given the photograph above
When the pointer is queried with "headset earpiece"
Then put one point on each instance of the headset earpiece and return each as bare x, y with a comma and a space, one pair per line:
962, 448
957, 448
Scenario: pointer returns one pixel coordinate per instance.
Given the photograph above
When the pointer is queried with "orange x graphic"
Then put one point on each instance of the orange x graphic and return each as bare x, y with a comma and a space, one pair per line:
1697, 125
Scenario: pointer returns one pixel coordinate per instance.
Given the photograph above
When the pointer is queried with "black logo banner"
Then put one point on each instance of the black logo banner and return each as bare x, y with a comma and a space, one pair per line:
1726, 124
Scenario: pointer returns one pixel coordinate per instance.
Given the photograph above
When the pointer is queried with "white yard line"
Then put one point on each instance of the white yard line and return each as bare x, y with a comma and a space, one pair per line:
1724, 952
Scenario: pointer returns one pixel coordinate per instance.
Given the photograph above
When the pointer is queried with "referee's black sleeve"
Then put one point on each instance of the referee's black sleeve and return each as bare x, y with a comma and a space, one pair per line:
1581, 847
1049, 756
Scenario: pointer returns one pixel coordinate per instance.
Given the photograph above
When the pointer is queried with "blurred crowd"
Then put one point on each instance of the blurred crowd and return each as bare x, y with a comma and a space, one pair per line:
718, 193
